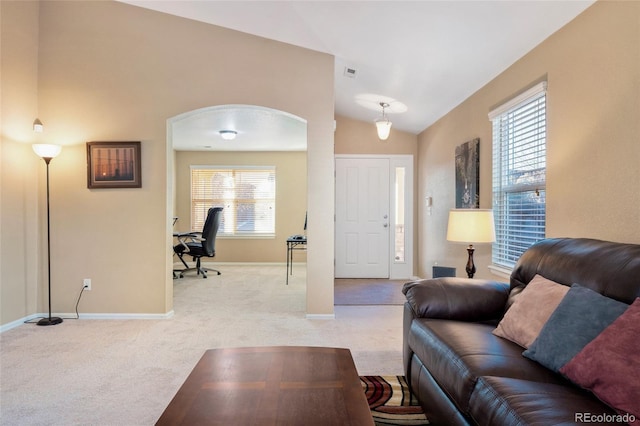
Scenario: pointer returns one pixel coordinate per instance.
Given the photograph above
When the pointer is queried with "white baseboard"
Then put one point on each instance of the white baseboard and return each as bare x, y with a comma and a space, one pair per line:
321, 316
127, 316
72, 316
18, 322
214, 264
98, 316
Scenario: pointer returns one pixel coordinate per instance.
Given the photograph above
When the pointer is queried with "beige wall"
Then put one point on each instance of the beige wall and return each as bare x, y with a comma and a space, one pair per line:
19, 166
291, 201
110, 71
360, 137
592, 66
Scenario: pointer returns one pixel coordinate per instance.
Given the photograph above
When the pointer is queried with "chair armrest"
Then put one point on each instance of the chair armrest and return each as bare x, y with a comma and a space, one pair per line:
184, 236
457, 298
196, 237
187, 234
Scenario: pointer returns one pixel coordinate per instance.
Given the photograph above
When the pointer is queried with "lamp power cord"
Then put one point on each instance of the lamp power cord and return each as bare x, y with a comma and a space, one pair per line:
35, 320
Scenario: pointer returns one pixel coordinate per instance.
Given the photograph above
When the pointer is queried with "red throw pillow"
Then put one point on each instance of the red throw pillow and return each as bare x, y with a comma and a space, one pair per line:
608, 366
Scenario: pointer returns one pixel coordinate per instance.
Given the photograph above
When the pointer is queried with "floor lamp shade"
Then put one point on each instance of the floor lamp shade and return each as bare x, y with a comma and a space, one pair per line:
47, 152
471, 226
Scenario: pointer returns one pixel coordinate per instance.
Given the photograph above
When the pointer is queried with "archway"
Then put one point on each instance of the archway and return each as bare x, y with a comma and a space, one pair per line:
264, 137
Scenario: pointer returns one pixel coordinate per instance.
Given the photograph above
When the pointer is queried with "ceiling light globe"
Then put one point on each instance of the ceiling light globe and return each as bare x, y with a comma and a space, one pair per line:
228, 135
383, 126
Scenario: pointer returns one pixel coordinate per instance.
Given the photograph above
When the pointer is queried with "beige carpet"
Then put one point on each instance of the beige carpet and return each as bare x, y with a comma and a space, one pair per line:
348, 291
125, 372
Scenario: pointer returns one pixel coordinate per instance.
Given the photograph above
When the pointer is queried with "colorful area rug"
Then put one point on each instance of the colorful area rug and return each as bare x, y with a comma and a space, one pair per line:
391, 402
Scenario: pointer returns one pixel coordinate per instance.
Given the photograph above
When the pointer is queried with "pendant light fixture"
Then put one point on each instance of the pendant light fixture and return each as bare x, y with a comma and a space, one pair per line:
383, 124
228, 135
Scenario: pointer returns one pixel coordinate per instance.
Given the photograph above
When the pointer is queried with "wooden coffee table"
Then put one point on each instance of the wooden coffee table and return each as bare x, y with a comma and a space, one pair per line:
282, 385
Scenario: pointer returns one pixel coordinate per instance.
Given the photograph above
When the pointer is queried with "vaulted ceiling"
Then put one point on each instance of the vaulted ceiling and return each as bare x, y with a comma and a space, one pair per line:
422, 57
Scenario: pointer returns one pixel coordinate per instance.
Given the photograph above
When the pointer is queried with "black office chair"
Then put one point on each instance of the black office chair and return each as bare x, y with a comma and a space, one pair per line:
201, 244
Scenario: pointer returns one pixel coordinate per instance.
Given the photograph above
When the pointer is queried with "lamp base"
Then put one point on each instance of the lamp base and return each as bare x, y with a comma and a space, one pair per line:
50, 321
471, 268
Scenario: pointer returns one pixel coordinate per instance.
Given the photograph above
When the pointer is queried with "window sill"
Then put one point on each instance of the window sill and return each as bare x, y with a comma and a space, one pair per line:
247, 237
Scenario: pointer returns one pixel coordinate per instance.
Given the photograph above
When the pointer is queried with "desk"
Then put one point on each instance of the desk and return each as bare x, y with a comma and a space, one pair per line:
281, 385
294, 244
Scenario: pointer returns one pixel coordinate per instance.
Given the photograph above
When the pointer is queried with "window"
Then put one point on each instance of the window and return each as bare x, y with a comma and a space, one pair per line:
519, 170
400, 237
248, 195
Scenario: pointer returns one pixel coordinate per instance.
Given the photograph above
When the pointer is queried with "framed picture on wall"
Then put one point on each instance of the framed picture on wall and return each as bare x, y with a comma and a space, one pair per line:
468, 175
113, 165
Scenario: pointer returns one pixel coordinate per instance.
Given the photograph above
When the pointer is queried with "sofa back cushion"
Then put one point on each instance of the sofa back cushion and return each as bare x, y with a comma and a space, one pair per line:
609, 268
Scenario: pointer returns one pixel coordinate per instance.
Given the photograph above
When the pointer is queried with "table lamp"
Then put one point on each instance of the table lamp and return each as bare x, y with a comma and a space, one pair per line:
471, 226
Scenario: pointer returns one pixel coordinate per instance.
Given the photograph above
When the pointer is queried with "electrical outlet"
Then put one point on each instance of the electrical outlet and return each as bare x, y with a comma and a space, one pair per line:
86, 283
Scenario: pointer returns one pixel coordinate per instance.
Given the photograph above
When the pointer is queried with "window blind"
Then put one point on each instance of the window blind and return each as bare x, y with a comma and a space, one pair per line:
247, 194
519, 175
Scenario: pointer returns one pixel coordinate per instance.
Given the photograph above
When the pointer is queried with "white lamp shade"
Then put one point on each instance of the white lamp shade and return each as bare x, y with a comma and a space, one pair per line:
471, 226
45, 150
384, 128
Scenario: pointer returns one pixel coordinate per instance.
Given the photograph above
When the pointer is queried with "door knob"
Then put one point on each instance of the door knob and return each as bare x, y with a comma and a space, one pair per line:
386, 225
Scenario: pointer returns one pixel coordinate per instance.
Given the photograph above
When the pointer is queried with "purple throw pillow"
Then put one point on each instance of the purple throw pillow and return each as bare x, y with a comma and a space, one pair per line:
609, 365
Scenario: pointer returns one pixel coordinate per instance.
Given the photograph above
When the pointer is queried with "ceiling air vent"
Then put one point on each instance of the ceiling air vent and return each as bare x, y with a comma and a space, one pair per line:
350, 72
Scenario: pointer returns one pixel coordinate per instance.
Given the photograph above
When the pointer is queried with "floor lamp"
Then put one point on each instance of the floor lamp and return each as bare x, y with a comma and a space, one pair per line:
47, 152
471, 226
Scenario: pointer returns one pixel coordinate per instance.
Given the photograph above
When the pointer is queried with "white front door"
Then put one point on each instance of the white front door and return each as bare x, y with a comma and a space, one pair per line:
362, 218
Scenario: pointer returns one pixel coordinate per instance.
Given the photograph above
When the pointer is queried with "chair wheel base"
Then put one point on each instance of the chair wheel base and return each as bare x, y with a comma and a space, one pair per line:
199, 271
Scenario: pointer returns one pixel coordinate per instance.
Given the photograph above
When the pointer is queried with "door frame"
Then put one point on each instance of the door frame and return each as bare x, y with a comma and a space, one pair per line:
404, 269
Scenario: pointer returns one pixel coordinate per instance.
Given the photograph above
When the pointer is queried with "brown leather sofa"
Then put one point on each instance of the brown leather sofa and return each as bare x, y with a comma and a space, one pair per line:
463, 374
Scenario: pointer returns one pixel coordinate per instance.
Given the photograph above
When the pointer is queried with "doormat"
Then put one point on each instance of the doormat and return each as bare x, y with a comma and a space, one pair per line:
368, 291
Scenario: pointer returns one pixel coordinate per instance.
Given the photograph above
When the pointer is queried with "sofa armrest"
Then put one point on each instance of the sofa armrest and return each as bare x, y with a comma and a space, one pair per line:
457, 298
